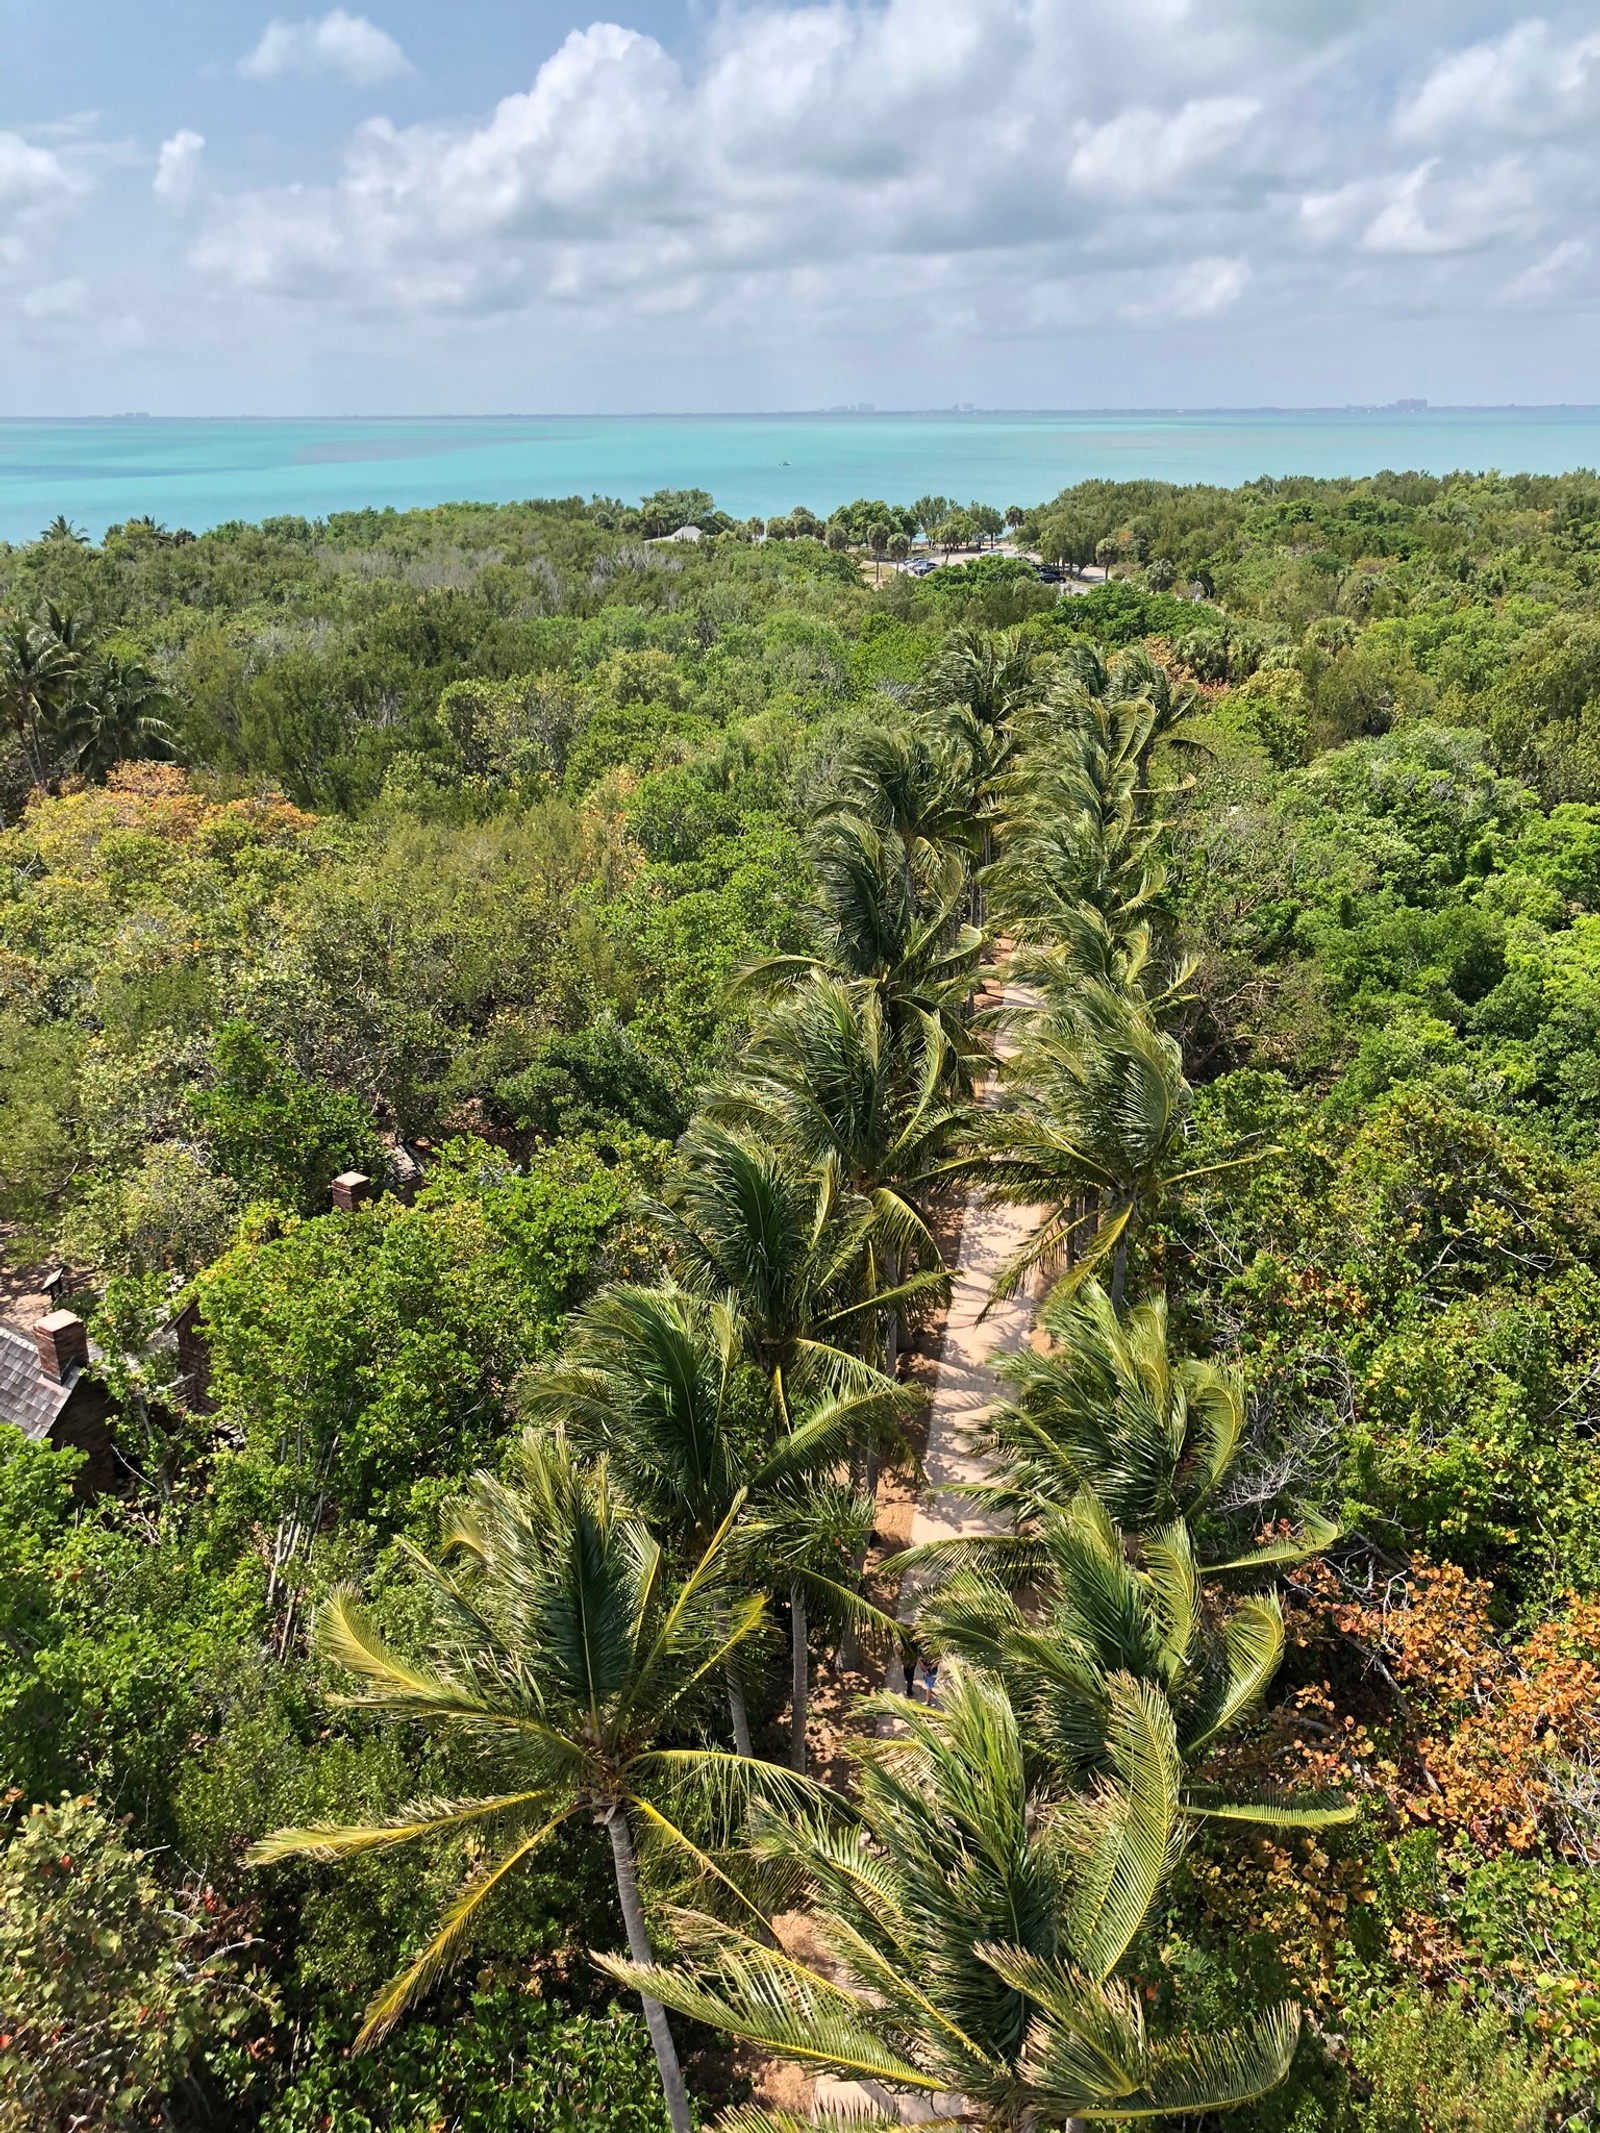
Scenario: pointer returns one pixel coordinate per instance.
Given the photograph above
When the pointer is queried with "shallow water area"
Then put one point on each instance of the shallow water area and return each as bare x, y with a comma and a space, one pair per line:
198, 473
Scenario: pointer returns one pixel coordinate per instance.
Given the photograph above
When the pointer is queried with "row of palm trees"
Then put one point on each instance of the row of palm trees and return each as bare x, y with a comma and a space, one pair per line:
72, 703
702, 1461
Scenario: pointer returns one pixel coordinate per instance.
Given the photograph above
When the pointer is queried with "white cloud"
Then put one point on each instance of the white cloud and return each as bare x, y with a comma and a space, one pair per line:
58, 299
1202, 289
1427, 209
808, 137
179, 172
36, 185
1142, 151
896, 177
1527, 81
1550, 277
1208, 288
337, 43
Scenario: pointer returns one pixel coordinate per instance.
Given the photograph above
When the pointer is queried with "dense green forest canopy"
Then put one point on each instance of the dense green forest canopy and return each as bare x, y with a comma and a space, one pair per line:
449, 833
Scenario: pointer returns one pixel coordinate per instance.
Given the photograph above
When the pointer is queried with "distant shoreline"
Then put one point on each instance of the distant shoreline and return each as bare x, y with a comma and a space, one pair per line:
1400, 411
199, 471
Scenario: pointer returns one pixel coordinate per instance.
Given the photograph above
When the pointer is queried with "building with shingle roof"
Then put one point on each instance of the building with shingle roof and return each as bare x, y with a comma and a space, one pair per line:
47, 1392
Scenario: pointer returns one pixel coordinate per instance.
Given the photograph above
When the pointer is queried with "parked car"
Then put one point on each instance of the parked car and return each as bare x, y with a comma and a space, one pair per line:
921, 568
1050, 573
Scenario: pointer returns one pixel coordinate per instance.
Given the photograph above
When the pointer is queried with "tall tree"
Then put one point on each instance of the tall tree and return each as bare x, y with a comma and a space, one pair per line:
658, 1382
974, 1936
891, 911
561, 1648
115, 715
786, 1239
1107, 1463
1092, 1124
38, 673
914, 780
832, 1075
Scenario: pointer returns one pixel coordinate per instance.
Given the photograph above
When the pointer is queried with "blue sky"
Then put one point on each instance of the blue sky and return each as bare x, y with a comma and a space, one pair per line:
393, 208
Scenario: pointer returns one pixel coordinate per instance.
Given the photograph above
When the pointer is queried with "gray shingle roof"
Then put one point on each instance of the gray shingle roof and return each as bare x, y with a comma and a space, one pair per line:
29, 1399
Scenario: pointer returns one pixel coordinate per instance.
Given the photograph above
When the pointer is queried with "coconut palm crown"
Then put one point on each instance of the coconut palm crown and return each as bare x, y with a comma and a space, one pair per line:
564, 1651
1110, 1450
976, 1937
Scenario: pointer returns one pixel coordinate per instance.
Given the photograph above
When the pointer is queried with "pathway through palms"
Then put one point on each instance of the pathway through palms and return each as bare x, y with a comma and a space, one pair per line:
977, 1329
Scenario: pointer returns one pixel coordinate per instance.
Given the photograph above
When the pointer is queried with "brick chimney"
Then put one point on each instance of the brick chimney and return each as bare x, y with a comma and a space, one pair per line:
63, 1344
351, 1189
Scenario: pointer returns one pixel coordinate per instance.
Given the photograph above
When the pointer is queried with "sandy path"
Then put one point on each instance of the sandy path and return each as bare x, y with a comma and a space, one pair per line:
976, 1333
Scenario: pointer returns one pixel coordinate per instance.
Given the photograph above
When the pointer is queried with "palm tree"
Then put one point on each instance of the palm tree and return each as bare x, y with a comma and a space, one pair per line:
974, 1934
783, 1237
37, 675
831, 1075
1135, 675
1074, 832
894, 919
1110, 1451
1093, 1123
61, 528
560, 1648
115, 716
1102, 1609
1095, 1618
786, 1240
658, 1382
913, 780
1109, 1408
991, 675
976, 691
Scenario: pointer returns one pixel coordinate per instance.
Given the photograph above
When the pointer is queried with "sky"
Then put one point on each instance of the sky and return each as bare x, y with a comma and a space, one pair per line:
210, 208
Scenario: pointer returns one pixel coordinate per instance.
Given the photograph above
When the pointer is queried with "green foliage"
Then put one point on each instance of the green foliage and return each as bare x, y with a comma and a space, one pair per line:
111, 1991
280, 1136
597, 1079
1119, 614
37, 1068
362, 1358
506, 2063
1435, 2066
566, 789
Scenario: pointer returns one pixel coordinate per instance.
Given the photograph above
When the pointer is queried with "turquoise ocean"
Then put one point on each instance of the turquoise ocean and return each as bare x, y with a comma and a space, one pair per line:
199, 473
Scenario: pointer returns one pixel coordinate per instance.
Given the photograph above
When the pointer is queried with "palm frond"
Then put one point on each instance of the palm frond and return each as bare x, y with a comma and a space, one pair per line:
766, 2118
423, 1818
1271, 1806
766, 1999
453, 1928
1086, 2040
1252, 1641
1216, 2072
1312, 1536
1130, 1832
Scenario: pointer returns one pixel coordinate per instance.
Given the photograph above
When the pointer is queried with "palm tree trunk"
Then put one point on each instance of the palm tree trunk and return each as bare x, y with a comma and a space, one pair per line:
1119, 1272
735, 1680
849, 1654
737, 1710
639, 1948
801, 1656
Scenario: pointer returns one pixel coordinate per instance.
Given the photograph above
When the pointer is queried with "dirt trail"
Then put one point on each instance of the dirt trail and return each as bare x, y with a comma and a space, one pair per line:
977, 1331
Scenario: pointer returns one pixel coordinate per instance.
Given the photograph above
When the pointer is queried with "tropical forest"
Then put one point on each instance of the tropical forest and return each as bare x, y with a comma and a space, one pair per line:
846, 1317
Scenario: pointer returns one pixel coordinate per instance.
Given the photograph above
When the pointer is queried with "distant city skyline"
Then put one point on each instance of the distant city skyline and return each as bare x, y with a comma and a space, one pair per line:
869, 206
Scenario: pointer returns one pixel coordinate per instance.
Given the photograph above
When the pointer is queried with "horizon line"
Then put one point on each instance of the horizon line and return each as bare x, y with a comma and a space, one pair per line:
860, 412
